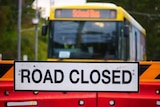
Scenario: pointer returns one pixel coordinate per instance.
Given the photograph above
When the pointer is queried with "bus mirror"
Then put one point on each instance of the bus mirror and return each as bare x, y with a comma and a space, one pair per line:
126, 31
44, 30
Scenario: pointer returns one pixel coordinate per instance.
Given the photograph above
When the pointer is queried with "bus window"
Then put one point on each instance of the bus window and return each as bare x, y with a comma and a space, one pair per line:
91, 39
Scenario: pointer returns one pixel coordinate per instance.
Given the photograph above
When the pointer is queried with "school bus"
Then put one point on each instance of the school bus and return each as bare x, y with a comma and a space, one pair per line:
97, 31
93, 34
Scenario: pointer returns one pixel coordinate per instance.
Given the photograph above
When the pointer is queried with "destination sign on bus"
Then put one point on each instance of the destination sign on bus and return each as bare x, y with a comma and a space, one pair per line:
85, 13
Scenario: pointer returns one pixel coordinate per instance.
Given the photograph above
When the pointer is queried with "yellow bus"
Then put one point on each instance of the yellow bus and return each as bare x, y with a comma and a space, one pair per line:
101, 31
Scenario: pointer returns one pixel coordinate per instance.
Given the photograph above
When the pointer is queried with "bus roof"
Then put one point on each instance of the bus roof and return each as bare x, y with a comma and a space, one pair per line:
133, 21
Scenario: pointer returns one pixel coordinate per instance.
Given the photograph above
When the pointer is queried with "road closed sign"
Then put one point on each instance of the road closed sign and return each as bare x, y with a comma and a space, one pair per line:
76, 76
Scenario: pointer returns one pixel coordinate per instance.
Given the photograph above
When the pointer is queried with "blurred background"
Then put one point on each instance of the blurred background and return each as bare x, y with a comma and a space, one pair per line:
146, 12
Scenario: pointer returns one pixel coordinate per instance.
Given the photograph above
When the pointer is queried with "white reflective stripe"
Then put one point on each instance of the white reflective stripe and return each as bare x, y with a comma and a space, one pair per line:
24, 103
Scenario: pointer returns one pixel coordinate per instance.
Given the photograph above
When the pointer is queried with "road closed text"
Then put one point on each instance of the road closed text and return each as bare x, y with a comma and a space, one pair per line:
76, 76
68, 76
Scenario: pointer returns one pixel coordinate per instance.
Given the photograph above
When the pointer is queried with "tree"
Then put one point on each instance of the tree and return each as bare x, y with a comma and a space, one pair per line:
7, 20
8, 30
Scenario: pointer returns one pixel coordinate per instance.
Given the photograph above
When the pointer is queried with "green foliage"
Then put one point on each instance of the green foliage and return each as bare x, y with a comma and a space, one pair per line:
9, 35
3, 20
28, 45
8, 45
7, 14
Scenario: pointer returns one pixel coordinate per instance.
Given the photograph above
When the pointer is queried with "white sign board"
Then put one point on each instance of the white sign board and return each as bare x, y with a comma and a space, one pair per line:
76, 76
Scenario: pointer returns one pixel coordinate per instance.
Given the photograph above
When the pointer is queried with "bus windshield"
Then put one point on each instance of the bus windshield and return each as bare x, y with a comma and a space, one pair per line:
83, 40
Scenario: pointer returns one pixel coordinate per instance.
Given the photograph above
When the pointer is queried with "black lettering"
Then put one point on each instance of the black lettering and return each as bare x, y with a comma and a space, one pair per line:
115, 76
107, 78
98, 76
124, 81
71, 75
82, 77
25, 74
56, 80
48, 76
34, 77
